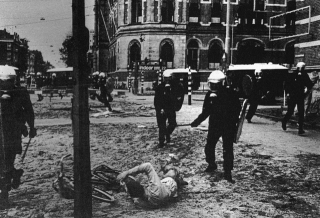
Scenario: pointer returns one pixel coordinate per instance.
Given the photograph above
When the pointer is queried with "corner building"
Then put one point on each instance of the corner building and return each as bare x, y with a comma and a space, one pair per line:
185, 33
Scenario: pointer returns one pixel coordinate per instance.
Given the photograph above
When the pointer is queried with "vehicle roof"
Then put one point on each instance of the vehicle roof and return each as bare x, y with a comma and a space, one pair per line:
180, 70
262, 66
60, 69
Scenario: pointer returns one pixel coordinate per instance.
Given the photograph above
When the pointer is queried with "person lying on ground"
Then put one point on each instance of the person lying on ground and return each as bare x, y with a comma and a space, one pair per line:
158, 192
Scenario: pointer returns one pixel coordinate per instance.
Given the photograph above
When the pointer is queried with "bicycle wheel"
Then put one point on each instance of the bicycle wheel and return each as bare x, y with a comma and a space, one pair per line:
108, 181
101, 195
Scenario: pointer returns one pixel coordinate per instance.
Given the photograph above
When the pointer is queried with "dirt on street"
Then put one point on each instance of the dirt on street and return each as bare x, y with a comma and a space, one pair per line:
276, 173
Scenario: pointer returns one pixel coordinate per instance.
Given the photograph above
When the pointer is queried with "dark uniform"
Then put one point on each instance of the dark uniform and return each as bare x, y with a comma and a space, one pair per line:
254, 100
15, 112
166, 100
295, 88
223, 108
103, 92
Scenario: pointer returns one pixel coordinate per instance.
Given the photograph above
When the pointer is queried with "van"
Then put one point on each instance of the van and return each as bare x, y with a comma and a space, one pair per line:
245, 76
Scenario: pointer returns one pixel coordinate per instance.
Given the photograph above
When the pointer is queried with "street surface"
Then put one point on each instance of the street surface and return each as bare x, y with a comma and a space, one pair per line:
276, 173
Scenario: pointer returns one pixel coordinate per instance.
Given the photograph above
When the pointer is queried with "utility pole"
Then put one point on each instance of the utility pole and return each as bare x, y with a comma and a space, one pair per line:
96, 37
227, 41
80, 114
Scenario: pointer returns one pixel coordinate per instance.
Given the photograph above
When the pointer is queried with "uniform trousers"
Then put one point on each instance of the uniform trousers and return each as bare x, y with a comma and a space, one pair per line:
164, 130
292, 102
227, 138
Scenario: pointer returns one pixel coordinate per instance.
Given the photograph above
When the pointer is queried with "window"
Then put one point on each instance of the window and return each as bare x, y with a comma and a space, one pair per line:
232, 2
136, 11
192, 54
216, 9
8, 56
167, 10
194, 12
167, 53
9, 45
135, 54
215, 54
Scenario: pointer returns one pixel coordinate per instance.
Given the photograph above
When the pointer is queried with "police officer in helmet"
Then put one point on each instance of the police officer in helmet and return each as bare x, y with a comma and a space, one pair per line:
223, 106
295, 85
16, 110
166, 102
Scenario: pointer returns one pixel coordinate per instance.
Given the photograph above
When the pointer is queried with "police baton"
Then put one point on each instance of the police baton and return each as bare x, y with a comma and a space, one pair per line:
25, 151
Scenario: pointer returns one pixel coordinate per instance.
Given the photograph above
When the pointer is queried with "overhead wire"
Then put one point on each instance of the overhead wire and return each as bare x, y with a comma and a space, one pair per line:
17, 18
43, 21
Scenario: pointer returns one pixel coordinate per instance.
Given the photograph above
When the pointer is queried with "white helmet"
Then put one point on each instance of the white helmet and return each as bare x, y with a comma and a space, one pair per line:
54, 74
95, 73
7, 72
301, 65
258, 73
102, 74
39, 73
216, 76
167, 73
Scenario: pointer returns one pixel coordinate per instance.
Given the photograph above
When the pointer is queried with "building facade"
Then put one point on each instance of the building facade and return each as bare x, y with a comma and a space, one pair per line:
13, 51
307, 47
183, 33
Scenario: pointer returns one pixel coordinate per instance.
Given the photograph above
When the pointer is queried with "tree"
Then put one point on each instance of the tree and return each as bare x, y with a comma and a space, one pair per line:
67, 50
39, 64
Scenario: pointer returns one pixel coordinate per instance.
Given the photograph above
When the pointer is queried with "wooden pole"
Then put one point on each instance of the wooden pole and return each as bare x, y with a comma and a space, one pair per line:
80, 114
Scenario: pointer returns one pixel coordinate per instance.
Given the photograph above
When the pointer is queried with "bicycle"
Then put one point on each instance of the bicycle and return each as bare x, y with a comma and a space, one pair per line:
103, 181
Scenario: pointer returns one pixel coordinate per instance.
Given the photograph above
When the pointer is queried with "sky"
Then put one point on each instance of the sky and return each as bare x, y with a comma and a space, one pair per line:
45, 23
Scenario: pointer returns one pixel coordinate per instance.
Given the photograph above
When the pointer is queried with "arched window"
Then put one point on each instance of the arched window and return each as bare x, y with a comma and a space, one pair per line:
215, 54
192, 54
136, 11
167, 10
135, 53
167, 53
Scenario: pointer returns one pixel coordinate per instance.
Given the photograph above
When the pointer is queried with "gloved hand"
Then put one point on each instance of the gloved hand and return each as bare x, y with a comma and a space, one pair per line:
32, 132
162, 112
194, 124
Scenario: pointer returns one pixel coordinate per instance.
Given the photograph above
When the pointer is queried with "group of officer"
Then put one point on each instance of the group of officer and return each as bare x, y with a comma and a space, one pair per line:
222, 106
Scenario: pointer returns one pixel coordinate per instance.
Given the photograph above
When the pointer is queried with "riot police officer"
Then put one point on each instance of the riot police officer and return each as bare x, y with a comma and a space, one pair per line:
255, 96
167, 100
16, 110
103, 90
223, 106
295, 85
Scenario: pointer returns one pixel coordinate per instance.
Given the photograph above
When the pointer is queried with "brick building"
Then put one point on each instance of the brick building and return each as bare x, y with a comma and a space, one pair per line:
307, 47
184, 33
13, 51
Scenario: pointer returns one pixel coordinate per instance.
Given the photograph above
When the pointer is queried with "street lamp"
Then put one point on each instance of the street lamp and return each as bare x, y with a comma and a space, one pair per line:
235, 24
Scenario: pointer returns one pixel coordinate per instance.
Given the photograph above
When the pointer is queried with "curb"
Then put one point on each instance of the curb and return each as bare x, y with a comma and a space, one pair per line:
309, 125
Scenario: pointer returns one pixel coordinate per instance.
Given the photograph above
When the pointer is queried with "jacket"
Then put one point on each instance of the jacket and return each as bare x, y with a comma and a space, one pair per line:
15, 112
222, 107
167, 97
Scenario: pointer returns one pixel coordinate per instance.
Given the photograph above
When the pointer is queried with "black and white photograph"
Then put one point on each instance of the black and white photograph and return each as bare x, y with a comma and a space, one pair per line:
160, 108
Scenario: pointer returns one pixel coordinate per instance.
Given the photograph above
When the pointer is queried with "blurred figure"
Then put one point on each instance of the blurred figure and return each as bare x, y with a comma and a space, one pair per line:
54, 80
28, 81
16, 110
255, 96
39, 80
295, 85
